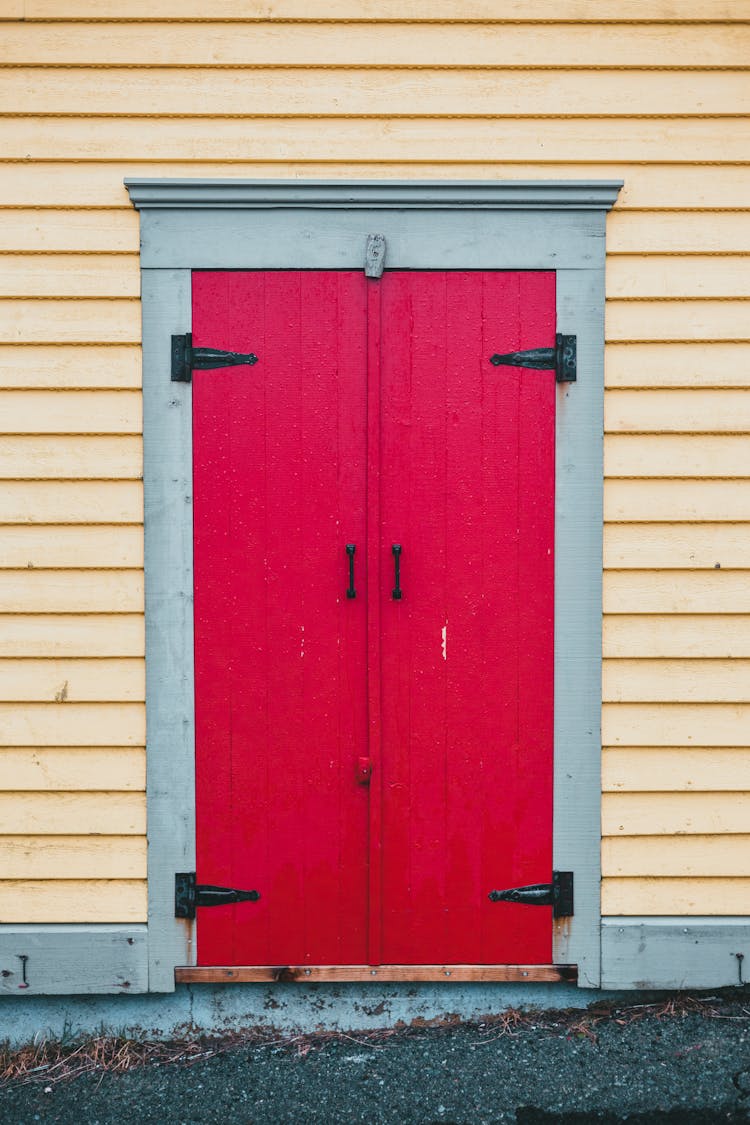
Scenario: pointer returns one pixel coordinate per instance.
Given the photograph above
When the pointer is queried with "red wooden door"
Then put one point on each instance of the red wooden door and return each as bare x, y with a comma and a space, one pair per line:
374, 418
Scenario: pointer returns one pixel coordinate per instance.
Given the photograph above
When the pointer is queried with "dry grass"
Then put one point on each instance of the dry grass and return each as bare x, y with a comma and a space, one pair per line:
50, 1061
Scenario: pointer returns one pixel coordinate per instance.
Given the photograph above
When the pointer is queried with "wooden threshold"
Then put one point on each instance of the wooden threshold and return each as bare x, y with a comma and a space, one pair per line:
215, 974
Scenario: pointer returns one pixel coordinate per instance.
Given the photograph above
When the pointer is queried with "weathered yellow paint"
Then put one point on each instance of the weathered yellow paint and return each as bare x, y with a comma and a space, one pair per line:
439, 11
674, 814
675, 724
73, 814
675, 455
72, 458
90, 900
71, 276
677, 591
71, 501
676, 896
363, 92
73, 857
686, 857
415, 139
74, 680
60, 769
658, 186
65, 366
72, 724
375, 89
676, 545
677, 501
691, 365
655, 769
61, 546
72, 635
311, 45
71, 591
681, 635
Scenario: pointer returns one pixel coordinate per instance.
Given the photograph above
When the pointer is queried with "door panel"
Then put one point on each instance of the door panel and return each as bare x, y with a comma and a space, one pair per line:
280, 656
467, 489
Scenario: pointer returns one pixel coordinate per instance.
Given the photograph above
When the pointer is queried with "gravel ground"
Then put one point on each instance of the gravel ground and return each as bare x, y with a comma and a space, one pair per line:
685, 1067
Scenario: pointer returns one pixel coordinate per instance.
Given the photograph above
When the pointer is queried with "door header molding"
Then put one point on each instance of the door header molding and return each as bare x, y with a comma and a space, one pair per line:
489, 195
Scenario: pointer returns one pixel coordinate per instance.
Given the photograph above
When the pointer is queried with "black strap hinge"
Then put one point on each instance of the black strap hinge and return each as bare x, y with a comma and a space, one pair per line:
188, 895
186, 359
558, 894
561, 359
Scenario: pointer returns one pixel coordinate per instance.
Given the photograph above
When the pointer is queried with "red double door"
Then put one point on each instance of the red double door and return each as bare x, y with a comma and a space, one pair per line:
374, 765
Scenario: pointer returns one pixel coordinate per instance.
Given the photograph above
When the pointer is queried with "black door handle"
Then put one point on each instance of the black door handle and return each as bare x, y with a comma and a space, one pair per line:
397, 592
350, 549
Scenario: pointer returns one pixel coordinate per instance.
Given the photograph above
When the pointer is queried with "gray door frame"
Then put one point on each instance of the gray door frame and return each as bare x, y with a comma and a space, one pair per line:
236, 224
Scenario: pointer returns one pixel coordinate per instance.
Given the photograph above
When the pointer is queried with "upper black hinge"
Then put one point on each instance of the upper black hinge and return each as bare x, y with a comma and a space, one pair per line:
561, 359
188, 895
186, 359
558, 894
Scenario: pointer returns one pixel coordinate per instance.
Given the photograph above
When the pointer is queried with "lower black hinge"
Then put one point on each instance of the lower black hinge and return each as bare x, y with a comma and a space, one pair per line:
562, 359
186, 359
558, 894
188, 895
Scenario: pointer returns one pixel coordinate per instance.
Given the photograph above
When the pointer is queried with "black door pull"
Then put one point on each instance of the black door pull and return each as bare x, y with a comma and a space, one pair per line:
350, 549
397, 567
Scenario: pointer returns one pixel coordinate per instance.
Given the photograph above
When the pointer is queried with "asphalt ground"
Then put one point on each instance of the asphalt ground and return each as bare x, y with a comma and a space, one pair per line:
683, 1062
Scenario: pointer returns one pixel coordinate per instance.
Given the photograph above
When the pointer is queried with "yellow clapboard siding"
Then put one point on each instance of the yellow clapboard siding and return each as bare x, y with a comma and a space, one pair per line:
69, 457
72, 724
691, 365
77, 681
635, 277
686, 681
73, 857
667, 635
553, 11
675, 724
677, 320
258, 92
119, 768
677, 591
650, 186
674, 814
71, 591
675, 896
676, 500
678, 232
673, 455
70, 547
702, 856
70, 276
673, 546
70, 412
67, 366
227, 44
73, 814
63, 635
655, 769
31, 502
71, 322
91, 900
697, 410
415, 139
56, 231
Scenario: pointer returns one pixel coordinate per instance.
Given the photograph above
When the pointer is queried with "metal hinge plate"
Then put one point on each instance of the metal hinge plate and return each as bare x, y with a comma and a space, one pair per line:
188, 895
562, 359
186, 359
558, 894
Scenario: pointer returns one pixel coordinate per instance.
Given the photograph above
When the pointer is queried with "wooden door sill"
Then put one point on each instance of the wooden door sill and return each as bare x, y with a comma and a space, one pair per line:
215, 974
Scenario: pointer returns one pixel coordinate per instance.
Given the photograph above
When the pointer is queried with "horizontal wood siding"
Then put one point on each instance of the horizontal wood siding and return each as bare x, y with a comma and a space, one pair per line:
656, 94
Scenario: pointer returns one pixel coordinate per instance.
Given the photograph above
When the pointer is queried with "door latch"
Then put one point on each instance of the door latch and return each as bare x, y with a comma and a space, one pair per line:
558, 894
188, 895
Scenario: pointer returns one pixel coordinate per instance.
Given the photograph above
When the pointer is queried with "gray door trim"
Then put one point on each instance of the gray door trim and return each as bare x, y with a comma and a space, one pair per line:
194, 224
